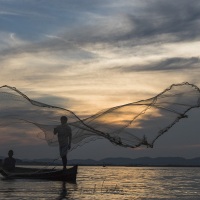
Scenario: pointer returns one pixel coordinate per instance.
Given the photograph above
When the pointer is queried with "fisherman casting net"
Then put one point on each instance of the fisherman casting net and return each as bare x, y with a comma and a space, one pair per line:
130, 125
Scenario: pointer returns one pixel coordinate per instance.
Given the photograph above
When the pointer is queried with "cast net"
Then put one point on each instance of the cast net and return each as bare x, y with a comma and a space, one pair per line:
130, 125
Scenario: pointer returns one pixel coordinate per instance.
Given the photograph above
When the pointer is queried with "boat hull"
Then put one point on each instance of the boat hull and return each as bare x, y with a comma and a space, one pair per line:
46, 174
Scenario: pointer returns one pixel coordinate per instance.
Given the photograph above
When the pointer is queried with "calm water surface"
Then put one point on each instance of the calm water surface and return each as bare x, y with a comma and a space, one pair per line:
142, 183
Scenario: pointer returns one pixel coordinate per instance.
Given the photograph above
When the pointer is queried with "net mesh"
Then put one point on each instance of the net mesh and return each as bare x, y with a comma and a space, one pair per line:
130, 125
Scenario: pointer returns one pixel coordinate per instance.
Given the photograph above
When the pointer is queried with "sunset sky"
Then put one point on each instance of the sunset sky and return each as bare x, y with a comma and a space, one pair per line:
88, 55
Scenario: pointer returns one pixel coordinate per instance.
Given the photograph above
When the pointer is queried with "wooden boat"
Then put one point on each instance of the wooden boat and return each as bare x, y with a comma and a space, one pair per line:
46, 174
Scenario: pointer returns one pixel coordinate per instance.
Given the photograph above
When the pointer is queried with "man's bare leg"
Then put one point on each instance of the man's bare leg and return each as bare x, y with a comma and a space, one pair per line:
64, 161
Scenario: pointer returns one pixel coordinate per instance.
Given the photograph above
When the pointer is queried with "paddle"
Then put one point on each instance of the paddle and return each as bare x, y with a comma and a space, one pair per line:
3, 172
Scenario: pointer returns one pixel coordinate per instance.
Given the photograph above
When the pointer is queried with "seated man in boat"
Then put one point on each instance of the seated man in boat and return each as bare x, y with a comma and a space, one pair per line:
64, 138
9, 162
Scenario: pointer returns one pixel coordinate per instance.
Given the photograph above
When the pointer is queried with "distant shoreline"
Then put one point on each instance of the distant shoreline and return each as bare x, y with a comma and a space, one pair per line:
42, 164
125, 162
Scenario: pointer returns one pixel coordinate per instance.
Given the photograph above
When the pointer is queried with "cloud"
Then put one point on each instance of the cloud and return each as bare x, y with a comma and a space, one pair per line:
111, 22
56, 100
55, 46
164, 21
75, 56
85, 30
169, 64
151, 22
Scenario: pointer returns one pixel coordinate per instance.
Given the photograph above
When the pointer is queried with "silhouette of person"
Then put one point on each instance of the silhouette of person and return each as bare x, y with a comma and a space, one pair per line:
9, 162
64, 134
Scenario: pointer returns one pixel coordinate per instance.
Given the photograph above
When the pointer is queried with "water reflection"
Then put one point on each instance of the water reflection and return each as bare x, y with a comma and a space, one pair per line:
10, 189
63, 192
67, 191
110, 183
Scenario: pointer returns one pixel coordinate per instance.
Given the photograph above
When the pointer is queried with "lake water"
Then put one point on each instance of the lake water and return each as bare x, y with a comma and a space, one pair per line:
141, 183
